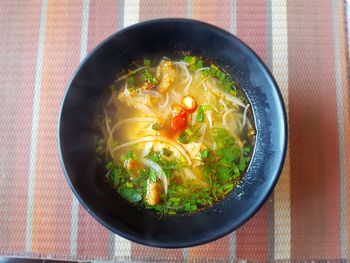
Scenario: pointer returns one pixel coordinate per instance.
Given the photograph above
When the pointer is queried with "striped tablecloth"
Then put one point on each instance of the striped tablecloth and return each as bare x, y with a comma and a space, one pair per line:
304, 43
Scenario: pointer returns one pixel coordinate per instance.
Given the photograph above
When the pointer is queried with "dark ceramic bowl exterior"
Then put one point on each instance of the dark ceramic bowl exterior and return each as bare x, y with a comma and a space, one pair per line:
76, 130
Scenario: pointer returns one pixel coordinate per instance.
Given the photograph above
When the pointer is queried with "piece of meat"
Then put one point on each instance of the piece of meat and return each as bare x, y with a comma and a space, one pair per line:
165, 74
152, 193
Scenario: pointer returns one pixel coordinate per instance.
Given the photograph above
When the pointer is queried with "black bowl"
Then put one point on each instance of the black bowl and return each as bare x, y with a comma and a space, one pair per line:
76, 132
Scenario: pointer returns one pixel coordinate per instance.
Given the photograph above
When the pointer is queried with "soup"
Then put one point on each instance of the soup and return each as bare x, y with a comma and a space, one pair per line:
176, 135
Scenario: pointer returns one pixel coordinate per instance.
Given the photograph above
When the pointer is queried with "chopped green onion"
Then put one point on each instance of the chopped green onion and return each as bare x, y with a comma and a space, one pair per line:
123, 158
227, 188
148, 77
116, 176
207, 107
236, 171
147, 62
183, 138
193, 60
218, 74
229, 89
205, 72
131, 81
182, 159
213, 69
242, 164
200, 117
129, 185
187, 207
204, 153
155, 126
247, 149
199, 64
187, 59
189, 132
192, 67
200, 109
130, 155
166, 152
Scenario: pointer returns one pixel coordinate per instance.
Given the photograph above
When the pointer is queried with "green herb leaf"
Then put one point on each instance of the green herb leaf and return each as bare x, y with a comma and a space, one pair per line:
193, 208
224, 174
148, 77
130, 194
200, 109
152, 176
109, 166
114, 174
173, 202
183, 138
154, 156
243, 163
187, 207
130, 154
200, 117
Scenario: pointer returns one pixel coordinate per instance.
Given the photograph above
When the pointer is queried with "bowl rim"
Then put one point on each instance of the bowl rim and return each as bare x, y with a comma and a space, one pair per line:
196, 242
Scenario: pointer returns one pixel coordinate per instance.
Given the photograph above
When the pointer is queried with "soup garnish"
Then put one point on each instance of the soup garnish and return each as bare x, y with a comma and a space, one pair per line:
176, 135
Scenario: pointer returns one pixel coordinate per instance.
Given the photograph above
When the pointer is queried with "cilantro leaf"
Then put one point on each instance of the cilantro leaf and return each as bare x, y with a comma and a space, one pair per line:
130, 194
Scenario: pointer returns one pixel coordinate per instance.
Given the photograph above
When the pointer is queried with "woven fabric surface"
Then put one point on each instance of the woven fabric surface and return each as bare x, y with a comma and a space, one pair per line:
304, 43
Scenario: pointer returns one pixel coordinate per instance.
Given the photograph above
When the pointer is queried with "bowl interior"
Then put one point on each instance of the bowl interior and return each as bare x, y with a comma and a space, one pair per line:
76, 130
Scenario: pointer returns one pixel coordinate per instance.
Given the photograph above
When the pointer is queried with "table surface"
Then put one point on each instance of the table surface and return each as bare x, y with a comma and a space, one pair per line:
304, 43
